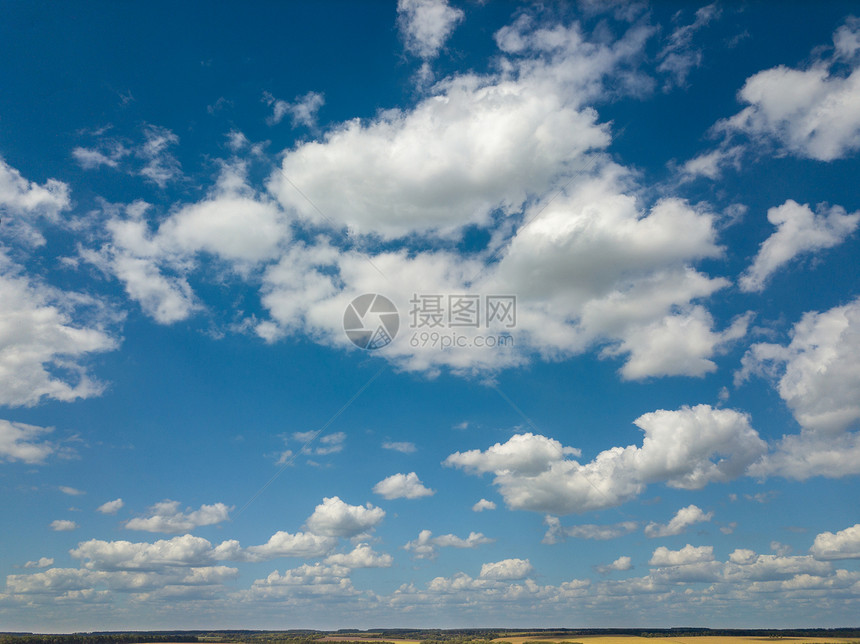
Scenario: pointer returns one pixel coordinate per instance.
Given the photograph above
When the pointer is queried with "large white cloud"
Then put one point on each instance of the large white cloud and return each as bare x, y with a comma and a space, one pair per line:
817, 374
43, 348
798, 231
845, 544
336, 518
686, 448
811, 112
167, 516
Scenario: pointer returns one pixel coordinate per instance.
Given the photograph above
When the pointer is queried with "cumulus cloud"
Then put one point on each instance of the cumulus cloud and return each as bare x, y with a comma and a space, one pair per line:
686, 448
280, 544
684, 518
817, 376
42, 562
21, 442
662, 556
482, 505
335, 518
402, 486
110, 507
798, 231
362, 556
71, 491
426, 545
231, 224
619, 565
45, 349
63, 525
507, 569
845, 544
166, 516
425, 25
808, 112
23, 202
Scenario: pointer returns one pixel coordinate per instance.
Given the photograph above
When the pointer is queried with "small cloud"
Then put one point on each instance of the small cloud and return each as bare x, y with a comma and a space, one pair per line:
111, 507
302, 111
507, 569
482, 505
43, 562
403, 447
684, 518
621, 564
402, 486
63, 525
65, 489
730, 528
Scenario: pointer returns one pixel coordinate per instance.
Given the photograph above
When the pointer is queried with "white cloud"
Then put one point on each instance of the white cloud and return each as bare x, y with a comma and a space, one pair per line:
556, 533
186, 550
42, 562
798, 231
45, 350
684, 518
817, 375
166, 516
482, 505
92, 158
687, 555
283, 544
619, 565
809, 112
20, 442
687, 448
110, 507
507, 569
403, 447
527, 453
426, 545
71, 491
425, 25
362, 556
63, 525
711, 164
335, 518
160, 167
22, 201
402, 486
479, 144
845, 544
678, 57
302, 111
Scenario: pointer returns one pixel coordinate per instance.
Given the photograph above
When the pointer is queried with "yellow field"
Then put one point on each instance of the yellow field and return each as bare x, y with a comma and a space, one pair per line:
369, 640
704, 639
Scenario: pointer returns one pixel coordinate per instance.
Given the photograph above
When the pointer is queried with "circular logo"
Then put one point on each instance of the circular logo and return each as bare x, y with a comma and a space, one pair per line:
371, 321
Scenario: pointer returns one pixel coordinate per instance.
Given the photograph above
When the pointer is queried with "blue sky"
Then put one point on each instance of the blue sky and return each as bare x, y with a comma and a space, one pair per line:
665, 433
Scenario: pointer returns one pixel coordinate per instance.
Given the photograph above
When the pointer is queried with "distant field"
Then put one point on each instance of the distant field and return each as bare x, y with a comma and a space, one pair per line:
357, 638
703, 639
